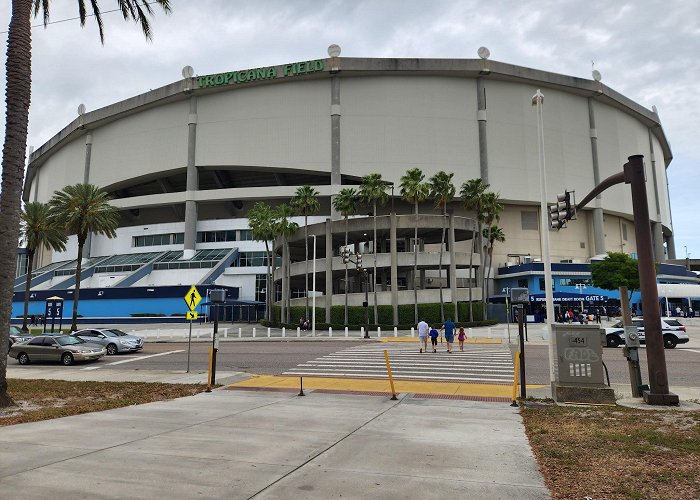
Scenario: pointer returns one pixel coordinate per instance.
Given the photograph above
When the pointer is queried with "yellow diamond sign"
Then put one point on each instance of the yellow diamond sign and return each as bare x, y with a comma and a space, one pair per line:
192, 298
192, 315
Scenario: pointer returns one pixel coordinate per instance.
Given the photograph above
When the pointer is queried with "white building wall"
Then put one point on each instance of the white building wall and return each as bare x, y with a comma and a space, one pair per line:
65, 167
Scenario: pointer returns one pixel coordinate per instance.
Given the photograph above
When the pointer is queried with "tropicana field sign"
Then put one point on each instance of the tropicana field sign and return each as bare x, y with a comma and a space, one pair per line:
255, 74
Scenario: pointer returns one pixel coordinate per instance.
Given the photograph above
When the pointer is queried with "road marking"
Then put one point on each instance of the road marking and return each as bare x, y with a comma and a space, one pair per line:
691, 350
144, 357
91, 368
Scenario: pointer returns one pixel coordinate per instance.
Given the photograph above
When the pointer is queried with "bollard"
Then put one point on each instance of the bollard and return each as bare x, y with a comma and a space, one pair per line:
225, 333
239, 332
284, 331
301, 387
379, 332
157, 333
396, 332
346, 331
545, 333
391, 379
330, 331
413, 332
515, 378
253, 332
470, 333
268, 332
362, 331
298, 331
489, 333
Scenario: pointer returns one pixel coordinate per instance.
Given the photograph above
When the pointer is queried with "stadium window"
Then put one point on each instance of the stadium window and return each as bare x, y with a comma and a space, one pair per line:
528, 221
245, 235
624, 232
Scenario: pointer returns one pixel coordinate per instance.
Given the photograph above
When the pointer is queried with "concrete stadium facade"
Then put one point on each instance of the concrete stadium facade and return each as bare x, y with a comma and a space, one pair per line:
190, 158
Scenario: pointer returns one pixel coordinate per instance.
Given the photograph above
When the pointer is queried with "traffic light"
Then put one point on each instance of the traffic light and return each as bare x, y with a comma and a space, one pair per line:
345, 253
563, 210
358, 261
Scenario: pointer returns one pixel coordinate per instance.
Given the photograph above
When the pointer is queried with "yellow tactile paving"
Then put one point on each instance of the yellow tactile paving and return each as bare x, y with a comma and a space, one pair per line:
467, 341
351, 384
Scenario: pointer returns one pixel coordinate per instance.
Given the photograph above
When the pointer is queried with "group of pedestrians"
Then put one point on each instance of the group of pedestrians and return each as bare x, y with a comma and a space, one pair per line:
447, 330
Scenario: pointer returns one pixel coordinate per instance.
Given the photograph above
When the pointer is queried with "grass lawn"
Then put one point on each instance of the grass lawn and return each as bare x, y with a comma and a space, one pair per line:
45, 399
616, 452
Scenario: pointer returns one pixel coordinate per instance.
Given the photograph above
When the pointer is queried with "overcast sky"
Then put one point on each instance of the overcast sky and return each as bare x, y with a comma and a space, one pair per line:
647, 50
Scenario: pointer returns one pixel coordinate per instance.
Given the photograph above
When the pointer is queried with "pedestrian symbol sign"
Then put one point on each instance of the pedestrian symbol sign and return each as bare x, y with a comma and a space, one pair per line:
192, 298
192, 315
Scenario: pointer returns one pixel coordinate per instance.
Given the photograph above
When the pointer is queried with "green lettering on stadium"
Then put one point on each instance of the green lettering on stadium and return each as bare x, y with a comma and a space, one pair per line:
256, 74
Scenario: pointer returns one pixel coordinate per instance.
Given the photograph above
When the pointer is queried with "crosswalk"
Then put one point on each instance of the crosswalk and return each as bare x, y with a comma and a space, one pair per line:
476, 364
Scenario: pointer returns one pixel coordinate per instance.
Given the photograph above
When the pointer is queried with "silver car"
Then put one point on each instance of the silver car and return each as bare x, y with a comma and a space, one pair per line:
63, 348
114, 340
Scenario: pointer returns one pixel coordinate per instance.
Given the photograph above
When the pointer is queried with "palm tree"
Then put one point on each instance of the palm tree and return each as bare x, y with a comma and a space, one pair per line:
82, 209
491, 212
442, 191
285, 228
305, 202
261, 219
39, 229
493, 234
414, 191
18, 76
373, 190
345, 202
472, 193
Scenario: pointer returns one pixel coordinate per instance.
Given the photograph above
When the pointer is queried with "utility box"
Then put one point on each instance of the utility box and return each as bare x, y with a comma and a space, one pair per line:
578, 365
217, 296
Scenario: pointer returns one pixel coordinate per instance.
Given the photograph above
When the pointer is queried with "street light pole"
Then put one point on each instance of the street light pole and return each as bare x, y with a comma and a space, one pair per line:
313, 298
537, 101
580, 287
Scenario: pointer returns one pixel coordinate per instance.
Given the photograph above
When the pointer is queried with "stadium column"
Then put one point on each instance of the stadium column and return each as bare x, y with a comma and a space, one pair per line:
657, 231
598, 225
336, 179
329, 269
86, 179
394, 269
481, 117
453, 265
192, 183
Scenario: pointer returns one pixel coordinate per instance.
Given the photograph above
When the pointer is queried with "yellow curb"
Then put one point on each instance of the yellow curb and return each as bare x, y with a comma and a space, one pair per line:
467, 341
379, 385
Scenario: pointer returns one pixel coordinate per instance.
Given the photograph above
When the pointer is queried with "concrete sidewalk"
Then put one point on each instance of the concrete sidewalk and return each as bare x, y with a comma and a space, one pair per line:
261, 444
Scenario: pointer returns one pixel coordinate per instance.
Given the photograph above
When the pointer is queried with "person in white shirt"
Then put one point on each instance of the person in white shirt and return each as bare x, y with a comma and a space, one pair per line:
423, 329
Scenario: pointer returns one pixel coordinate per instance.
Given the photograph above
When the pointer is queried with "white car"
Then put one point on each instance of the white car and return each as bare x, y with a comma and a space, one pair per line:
673, 331
114, 340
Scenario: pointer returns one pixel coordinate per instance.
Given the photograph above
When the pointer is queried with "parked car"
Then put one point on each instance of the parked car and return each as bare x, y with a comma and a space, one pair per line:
17, 335
114, 340
673, 331
63, 348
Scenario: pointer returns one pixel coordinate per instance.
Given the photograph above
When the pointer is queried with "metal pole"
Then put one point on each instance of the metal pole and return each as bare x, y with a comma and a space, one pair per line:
313, 298
537, 101
521, 334
214, 344
366, 275
659, 393
189, 347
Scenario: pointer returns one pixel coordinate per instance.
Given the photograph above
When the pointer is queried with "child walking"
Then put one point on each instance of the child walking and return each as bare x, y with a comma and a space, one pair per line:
433, 338
461, 336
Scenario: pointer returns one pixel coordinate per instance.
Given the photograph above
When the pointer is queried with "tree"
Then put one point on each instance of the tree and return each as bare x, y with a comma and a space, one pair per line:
285, 228
472, 193
491, 212
616, 270
305, 202
82, 209
442, 191
492, 234
261, 219
39, 229
17, 97
373, 191
345, 202
414, 191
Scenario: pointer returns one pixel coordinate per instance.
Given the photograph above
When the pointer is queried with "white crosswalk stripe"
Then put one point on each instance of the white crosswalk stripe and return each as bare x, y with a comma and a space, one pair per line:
477, 363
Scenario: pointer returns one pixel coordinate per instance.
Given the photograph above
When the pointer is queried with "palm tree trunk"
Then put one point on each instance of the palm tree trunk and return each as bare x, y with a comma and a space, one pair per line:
289, 283
482, 257
27, 287
18, 95
346, 274
471, 272
306, 257
268, 282
415, 268
442, 244
76, 290
374, 275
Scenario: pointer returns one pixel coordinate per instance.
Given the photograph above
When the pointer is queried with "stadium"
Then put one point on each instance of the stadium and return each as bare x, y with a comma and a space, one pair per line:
185, 162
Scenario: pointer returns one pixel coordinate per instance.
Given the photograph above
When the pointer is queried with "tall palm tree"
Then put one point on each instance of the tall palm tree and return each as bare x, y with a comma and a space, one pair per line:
82, 209
373, 191
472, 193
345, 202
39, 229
18, 76
493, 234
261, 219
491, 212
285, 228
414, 191
442, 191
305, 202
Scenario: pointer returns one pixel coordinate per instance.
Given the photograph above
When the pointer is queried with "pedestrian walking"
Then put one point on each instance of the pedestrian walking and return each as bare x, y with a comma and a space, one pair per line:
449, 328
442, 333
461, 336
433, 338
423, 330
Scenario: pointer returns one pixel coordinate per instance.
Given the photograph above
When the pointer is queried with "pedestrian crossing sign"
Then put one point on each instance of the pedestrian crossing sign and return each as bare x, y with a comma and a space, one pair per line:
192, 315
192, 298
